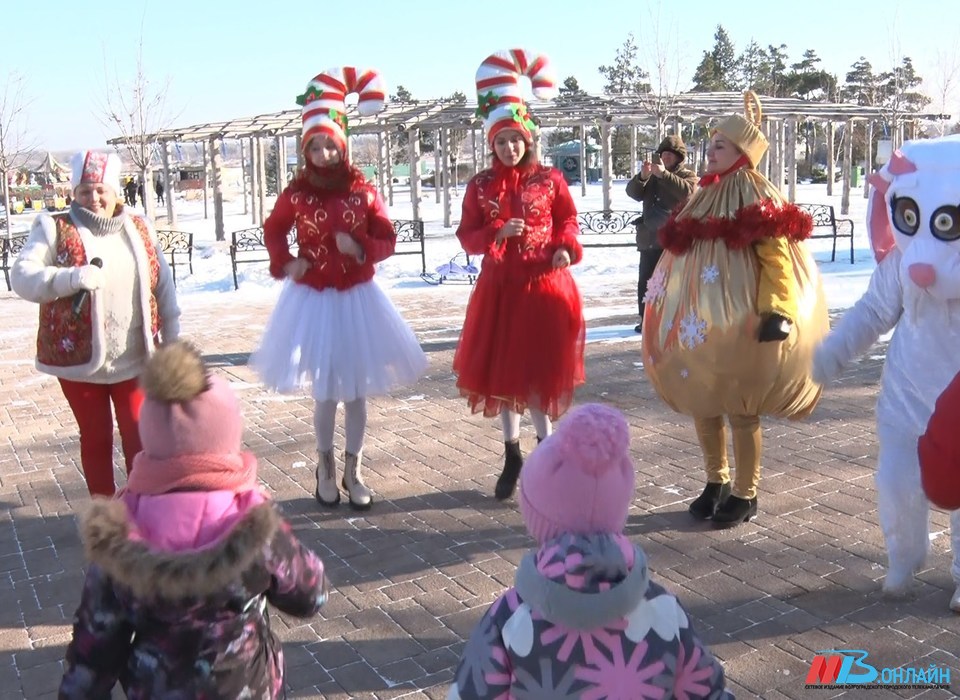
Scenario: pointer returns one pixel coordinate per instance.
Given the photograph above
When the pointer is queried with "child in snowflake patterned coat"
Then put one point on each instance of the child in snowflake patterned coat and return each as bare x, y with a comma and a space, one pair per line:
584, 619
187, 557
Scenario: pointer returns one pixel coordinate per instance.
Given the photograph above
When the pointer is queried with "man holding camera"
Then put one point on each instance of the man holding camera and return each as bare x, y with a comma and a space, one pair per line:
662, 185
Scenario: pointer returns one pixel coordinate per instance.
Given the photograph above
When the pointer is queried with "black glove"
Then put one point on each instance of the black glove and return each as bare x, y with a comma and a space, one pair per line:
775, 328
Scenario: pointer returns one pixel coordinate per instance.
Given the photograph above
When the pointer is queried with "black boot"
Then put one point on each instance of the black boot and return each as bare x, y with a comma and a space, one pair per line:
705, 505
512, 462
735, 510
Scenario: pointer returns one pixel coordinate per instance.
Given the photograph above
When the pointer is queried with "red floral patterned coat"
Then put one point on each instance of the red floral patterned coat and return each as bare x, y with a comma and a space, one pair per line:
319, 213
542, 200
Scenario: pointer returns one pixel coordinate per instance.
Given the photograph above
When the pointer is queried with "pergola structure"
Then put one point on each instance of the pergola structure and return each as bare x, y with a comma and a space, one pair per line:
681, 114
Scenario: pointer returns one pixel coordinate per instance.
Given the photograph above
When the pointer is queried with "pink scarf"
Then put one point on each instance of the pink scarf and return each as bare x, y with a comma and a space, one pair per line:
205, 472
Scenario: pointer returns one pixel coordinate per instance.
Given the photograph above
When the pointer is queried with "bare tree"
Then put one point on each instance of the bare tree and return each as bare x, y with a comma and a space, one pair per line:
16, 144
136, 109
945, 84
660, 51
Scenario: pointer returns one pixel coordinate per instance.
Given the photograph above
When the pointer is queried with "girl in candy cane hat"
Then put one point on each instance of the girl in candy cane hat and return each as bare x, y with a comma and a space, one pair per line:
333, 328
522, 341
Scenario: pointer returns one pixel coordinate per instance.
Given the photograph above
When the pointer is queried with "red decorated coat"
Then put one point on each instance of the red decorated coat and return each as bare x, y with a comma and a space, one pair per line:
319, 213
539, 195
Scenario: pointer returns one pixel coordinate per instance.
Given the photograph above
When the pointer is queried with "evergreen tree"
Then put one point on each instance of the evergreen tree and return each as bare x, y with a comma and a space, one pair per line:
776, 71
570, 91
625, 76
860, 85
402, 139
900, 88
810, 82
401, 95
718, 67
753, 68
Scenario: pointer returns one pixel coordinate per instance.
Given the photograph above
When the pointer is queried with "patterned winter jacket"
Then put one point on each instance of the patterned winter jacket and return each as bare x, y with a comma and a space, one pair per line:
584, 621
169, 621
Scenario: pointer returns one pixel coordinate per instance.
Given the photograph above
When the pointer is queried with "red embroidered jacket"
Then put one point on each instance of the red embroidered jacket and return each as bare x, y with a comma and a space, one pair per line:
319, 214
540, 197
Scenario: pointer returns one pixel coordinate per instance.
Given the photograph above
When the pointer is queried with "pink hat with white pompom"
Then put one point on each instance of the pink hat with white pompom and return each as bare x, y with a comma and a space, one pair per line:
580, 479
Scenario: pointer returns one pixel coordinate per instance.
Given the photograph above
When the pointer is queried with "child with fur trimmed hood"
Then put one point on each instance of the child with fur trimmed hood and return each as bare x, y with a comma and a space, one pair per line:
584, 618
186, 558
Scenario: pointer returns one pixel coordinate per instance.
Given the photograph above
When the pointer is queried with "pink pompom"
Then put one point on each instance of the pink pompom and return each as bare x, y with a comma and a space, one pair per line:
596, 438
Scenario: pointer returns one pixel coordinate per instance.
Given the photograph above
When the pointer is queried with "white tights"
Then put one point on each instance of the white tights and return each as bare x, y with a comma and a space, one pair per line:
511, 424
355, 423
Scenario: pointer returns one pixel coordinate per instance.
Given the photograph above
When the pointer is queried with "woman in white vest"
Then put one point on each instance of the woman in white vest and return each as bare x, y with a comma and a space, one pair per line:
106, 300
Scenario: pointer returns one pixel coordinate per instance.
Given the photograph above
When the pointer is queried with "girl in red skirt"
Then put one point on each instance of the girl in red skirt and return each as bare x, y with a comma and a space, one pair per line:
522, 341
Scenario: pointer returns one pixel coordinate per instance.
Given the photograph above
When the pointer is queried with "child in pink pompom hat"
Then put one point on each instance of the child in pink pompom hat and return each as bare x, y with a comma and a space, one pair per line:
583, 602
185, 560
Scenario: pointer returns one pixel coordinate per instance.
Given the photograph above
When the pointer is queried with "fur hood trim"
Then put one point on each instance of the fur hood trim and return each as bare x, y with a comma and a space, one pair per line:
153, 574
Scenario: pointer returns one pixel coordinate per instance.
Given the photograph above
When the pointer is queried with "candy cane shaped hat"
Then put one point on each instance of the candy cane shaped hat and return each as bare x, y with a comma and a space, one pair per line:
324, 111
500, 95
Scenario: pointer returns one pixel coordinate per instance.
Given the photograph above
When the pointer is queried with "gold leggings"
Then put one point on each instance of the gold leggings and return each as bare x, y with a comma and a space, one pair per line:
746, 452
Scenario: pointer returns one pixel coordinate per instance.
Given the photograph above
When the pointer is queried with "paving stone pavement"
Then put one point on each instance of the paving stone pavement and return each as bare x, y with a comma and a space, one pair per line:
413, 575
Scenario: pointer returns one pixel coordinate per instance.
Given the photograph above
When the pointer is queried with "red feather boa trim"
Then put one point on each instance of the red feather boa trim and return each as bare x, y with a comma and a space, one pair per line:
753, 222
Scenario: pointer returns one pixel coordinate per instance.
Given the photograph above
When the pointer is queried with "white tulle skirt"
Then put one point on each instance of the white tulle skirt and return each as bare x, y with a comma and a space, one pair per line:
344, 344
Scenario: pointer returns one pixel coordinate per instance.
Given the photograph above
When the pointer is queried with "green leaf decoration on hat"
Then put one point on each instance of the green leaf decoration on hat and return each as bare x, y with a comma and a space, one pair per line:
522, 116
485, 103
340, 118
309, 96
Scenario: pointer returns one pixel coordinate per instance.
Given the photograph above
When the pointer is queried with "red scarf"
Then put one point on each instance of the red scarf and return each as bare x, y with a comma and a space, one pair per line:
710, 178
335, 178
507, 183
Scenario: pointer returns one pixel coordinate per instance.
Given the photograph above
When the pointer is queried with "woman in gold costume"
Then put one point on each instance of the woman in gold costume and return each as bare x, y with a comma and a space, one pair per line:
734, 310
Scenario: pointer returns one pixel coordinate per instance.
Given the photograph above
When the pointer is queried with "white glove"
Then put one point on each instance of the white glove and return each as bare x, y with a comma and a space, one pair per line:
296, 268
87, 277
826, 365
348, 245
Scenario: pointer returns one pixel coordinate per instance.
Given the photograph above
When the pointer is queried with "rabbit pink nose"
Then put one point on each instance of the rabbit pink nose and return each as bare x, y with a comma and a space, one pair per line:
922, 274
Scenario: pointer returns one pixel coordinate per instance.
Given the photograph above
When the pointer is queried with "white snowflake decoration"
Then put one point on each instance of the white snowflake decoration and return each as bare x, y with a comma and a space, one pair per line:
656, 287
692, 330
67, 344
684, 373
710, 274
518, 630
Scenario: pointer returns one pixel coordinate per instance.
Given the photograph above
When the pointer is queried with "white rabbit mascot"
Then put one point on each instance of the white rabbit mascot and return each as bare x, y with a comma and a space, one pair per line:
914, 224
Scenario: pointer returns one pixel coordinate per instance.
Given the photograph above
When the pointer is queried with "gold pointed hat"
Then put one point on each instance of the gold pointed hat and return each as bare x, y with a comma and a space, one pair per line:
744, 132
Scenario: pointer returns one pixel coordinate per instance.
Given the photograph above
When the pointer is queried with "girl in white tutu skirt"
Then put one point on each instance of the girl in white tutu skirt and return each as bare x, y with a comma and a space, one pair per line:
333, 328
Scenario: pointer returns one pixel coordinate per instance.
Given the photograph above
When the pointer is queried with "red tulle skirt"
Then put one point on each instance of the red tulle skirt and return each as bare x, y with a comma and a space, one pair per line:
522, 343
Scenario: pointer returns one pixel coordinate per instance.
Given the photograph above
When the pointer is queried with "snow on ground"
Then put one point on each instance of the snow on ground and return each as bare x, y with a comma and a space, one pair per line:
600, 270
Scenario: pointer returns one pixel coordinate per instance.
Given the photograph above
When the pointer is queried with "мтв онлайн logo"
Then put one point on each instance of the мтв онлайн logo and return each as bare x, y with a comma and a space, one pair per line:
847, 668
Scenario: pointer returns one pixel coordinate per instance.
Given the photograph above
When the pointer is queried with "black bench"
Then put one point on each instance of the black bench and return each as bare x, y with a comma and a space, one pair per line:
247, 245
9, 250
178, 246
610, 228
827, 225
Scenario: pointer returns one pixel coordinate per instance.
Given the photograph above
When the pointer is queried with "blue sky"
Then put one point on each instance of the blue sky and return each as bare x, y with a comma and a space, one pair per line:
235, 59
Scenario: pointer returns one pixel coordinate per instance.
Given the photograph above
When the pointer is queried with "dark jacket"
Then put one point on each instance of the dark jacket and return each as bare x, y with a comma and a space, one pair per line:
187, 624
660, 196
